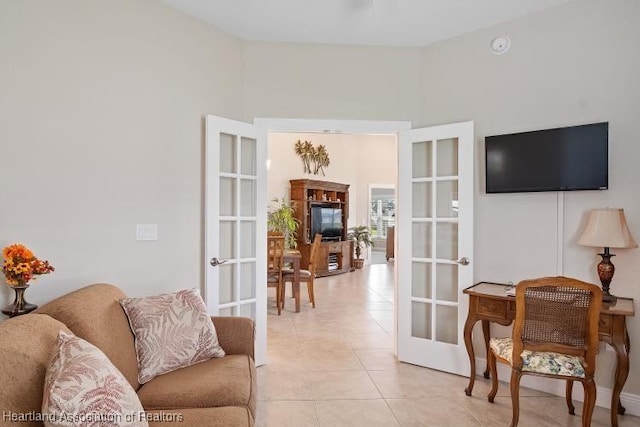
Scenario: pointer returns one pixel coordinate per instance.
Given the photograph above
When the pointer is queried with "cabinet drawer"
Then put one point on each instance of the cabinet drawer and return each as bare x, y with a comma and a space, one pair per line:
335, 247
604, 324
492, 308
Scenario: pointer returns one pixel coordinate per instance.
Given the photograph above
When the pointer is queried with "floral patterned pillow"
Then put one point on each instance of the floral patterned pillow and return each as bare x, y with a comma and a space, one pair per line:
171, 331
82, 387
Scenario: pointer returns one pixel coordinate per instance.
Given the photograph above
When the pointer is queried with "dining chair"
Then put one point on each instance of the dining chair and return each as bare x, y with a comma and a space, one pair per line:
275, 259
555, 335
306, 276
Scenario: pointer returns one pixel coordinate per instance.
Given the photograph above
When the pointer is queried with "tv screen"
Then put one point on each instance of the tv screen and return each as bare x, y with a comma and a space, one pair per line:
326, 221
560, 159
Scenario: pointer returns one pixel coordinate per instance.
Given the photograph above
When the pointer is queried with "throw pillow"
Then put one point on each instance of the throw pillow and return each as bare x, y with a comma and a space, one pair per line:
171, 331
82, 387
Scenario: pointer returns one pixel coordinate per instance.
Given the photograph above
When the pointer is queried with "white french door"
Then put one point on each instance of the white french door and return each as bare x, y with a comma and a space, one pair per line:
434, 228
235, 228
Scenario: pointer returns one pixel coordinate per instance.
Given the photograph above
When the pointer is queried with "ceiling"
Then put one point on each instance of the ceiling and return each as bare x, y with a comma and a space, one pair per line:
356, 22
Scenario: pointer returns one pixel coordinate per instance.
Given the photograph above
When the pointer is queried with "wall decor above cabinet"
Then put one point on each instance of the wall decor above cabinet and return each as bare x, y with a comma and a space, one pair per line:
314, 159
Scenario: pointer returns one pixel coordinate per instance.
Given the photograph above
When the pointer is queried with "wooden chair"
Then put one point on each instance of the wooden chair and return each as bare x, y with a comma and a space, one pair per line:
555, 335
275, 257
306, 275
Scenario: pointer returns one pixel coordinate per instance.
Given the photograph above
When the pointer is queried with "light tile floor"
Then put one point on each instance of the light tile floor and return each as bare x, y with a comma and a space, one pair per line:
334, 366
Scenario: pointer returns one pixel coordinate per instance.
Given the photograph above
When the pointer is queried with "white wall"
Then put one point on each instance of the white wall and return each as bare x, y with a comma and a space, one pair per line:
332, 82
101, 118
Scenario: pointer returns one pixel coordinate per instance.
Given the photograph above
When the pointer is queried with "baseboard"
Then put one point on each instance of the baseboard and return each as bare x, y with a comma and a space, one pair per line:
631, 402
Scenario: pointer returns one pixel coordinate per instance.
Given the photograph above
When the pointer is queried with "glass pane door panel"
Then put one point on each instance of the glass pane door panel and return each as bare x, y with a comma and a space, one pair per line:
248, 310
248, 156
227, 196
247, 240
421, 159
421, 207
247, 272
227, 153
421, 279
228, 311
227, 232
247, 197
447, 240
227, 283
421, 320
447, 199
447, 157
447, 324
421, 242
447, 282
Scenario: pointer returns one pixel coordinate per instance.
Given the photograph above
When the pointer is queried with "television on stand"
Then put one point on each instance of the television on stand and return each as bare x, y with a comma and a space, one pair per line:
326, 221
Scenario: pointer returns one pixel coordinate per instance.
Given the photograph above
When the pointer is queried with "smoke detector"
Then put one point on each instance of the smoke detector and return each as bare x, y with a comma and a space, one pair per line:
500, 45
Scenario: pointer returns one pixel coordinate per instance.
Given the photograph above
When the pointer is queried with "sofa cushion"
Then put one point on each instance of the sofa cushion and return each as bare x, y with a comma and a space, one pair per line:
81, 384
227, 381
26, 346
94, 314
172, 331
225, 416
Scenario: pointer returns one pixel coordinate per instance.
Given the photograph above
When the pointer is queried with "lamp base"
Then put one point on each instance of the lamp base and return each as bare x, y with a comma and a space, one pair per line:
605, 273
608, 298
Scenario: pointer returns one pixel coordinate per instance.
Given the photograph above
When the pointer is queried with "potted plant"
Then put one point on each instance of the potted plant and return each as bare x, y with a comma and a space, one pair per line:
361, 235
281, 220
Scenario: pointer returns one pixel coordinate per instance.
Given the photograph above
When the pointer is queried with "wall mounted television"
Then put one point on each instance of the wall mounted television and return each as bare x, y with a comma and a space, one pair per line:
561, 159
326, 221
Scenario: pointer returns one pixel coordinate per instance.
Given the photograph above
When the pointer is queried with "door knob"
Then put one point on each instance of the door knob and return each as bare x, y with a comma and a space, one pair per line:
463, 261
216, 262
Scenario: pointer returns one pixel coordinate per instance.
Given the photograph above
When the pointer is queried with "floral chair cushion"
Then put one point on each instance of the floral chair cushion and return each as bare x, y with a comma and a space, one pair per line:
82, 387
172, 331
538, 361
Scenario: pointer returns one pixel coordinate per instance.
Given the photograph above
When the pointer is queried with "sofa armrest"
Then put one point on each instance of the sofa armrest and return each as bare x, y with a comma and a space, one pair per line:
236, 335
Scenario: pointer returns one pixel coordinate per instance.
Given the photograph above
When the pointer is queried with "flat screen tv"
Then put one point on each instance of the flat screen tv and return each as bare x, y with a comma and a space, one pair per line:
560, 159
326, 221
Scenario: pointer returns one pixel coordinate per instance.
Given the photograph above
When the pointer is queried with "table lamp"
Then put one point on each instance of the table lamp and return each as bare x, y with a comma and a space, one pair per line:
607, 228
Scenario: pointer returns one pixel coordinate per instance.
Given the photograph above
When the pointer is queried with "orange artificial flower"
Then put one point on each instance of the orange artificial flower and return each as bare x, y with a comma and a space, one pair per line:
20, 265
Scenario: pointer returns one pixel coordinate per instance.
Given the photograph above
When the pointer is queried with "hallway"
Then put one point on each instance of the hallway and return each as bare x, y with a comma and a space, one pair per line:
334, 366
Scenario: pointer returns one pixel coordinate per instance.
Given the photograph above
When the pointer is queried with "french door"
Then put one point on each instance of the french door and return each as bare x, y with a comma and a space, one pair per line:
434, 228
235, 227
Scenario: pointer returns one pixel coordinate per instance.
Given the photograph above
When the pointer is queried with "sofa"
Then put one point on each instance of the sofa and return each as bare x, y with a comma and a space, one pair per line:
217, 392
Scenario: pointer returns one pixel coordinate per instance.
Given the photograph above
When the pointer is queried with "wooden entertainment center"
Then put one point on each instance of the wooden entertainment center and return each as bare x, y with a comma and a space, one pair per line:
336, 255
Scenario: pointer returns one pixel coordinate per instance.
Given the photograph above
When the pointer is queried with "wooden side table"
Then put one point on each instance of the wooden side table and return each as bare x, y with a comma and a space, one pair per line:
489, 302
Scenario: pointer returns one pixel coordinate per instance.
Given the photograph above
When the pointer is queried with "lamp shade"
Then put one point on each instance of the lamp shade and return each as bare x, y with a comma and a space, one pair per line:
607, 228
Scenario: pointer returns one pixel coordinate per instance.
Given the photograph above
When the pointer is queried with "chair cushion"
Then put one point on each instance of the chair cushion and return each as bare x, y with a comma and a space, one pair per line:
82, 384
172, 331
288, 273
539, 361
227, 381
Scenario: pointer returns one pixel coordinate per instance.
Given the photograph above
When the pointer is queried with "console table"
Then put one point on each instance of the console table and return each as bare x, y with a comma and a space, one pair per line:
489, 302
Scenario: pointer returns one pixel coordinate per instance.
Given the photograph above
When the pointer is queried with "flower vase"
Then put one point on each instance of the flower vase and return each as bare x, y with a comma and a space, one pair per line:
19, 306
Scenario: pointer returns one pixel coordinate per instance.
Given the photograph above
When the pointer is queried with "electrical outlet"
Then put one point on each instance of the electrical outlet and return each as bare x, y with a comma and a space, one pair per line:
146, 231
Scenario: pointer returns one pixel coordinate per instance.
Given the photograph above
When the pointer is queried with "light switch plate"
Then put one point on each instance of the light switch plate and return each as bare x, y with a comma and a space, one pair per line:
146, 231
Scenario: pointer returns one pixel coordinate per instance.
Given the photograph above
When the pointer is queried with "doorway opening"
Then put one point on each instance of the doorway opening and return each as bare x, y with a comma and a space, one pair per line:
360, 152
382, 216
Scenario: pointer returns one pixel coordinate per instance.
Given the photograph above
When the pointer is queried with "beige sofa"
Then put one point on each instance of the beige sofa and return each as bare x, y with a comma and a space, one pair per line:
217, 392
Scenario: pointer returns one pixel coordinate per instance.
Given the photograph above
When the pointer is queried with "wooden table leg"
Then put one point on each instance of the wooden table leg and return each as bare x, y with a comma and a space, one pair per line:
621, 344
486, 332
468, 342
296, 283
